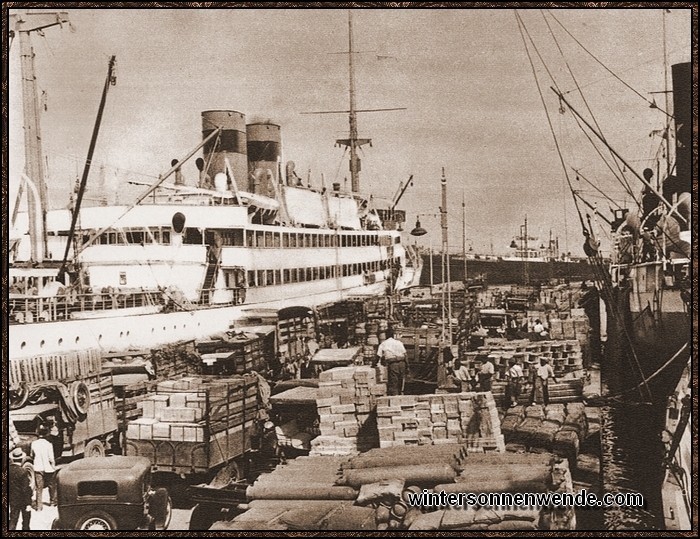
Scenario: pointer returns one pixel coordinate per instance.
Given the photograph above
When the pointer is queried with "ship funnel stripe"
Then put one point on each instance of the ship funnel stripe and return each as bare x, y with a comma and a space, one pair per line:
230, 140
259, 150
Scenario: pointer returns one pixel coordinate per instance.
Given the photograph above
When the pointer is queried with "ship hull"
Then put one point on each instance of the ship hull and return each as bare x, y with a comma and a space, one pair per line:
655, 342
500, 271
118, 331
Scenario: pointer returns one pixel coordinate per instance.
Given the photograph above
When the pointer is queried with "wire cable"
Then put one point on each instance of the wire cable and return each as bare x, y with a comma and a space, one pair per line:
652, 104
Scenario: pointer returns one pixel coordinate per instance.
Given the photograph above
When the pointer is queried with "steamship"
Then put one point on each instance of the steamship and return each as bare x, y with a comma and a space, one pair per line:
186, 261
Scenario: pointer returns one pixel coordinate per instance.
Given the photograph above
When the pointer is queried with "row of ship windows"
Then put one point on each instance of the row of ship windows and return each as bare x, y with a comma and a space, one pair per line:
300, 275
254, 238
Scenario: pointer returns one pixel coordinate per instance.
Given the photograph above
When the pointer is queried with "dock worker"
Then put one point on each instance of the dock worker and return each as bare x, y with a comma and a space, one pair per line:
393, 353
461, 375
486, 374
20, 490
514, 378
540, 330
44, 467
540, 389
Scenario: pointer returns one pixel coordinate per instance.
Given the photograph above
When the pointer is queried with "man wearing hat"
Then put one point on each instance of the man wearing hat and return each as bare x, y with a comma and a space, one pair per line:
44, 467
20, 490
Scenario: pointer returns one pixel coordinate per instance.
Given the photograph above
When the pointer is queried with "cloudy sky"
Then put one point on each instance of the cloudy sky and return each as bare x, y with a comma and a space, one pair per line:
463, 76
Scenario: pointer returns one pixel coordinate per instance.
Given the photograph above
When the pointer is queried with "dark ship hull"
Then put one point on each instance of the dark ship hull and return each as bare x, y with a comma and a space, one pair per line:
499, 271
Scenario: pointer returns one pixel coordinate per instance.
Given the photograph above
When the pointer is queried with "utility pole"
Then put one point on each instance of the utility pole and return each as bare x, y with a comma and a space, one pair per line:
446, 257
24, 25
527, 256
464, 236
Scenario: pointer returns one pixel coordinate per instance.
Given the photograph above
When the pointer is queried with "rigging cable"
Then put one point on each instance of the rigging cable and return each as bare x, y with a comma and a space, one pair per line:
652, 104
629, 190
589, 182
583, 97
595, 256
521, 25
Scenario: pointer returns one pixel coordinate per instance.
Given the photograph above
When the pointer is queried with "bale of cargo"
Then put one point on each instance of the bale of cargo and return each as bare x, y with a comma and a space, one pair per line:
527, 430
535, 411
512, 419
415, 474
555, 412
566, 444
543, 436
349, 517
299, 491
488, 519
448, 454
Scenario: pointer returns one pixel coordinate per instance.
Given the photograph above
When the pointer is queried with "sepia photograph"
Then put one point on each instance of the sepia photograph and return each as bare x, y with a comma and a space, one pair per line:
360, 267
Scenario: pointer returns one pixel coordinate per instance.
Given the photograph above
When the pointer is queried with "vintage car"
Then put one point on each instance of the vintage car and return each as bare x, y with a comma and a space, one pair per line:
110, 493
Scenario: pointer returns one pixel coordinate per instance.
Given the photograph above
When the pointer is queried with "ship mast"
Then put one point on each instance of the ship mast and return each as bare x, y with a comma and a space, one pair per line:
464, 236
24, 25
667, 131
354, 142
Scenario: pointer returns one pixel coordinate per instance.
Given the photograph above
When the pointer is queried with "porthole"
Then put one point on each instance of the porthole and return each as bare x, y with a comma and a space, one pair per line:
41, 344
23, 345
60, 341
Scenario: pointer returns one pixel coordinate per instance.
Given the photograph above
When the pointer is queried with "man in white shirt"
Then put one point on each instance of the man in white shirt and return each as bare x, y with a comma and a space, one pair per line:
44, 467
540, 391
393, 354
514, 376
540, 330
486, 374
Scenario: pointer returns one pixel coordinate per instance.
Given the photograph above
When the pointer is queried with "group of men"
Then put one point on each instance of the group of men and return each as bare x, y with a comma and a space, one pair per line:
392, 353
540, 375
23, 495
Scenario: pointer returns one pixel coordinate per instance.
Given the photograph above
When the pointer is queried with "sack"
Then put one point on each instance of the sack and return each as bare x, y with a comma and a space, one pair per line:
391, 489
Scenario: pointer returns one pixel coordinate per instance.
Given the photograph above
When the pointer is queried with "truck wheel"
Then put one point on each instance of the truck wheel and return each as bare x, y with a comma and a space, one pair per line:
80, 394
161, 508
96, 520
94, 448
203, 516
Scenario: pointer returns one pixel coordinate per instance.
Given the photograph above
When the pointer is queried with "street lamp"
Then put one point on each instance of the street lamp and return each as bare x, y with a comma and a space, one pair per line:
418, 230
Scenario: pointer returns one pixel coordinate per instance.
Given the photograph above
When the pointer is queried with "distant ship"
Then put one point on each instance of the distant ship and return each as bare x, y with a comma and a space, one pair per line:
532, 262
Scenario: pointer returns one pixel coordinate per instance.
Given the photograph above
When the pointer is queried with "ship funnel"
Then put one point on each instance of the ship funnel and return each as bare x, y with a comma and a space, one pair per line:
683, 115
264, 150
231, 145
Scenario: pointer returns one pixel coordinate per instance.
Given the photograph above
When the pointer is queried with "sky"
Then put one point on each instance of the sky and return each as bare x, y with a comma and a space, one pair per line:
463, 76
